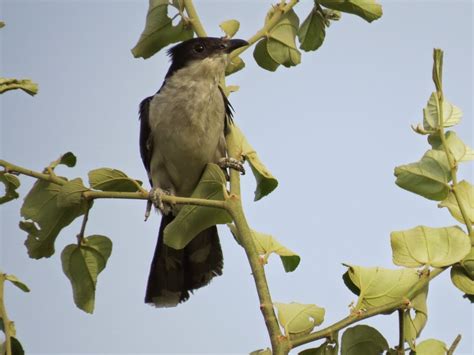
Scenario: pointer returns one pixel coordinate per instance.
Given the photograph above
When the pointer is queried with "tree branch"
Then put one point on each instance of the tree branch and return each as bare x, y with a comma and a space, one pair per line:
4, 317
280, 344
194, 18
354, 318
437, 74
93, 194
281, 9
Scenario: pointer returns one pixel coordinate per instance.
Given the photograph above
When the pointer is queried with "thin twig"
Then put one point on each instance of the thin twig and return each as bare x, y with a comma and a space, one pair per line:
454, 345
4, 316
401, 336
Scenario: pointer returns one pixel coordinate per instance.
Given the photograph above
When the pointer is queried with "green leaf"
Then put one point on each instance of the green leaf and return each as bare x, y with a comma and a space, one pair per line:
299, 319
281, 41
230, 27
414, 325
266, 183
47, 218
377, 286
266, 351
82, 264
431, 119
429, 177
266, 245
106, 179
437, 247
262, 57
462, 280
468, 263
459, 150
68, 159
26, 85
234, 66
2, 24
279, 46
11, 183
312, 32
363, 339
324, 349
465, 193
191, 220
14, 280
437, 73
431, 347
17, 348
70, 194
159, 30
369, 10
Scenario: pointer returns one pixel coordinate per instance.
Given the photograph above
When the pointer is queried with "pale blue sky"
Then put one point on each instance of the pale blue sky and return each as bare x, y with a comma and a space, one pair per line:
331, 130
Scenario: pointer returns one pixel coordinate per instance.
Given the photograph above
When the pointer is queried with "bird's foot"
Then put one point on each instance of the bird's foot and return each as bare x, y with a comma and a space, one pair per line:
155, 197
232, 163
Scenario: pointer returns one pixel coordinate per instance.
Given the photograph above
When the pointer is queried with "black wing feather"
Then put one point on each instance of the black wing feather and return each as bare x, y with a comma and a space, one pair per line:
229, 112
145, 131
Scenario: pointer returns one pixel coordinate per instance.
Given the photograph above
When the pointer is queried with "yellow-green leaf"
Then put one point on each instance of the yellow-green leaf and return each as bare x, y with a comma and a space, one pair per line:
14, 280
11, 183
431, 347
191, 220
297, 318
312, 32
281, 40
266, 183
82, 264
465, 192
414, 325
230, 27
106, 179
462, 280
429, 177
377, 286
2, 24
437, 247
363, 339
326, 348
431, 118
267, 244
234, 66
44, 218
159, 30
459, 150
26, 85
468, 263
70, 194
262, 57
369, 10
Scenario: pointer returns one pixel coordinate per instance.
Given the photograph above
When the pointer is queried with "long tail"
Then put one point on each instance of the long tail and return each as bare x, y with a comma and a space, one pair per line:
174, 274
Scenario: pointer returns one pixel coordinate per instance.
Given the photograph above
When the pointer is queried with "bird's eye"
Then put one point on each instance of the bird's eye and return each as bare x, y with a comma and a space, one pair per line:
199, 48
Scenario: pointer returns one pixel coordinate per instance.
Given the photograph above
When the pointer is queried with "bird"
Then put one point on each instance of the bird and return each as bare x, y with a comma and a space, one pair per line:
182, 129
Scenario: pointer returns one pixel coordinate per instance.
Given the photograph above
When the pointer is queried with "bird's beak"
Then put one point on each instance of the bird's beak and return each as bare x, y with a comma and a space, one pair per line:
233, 44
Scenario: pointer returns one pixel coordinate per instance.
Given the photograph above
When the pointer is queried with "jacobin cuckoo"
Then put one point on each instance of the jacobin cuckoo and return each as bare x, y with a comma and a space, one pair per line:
182, 129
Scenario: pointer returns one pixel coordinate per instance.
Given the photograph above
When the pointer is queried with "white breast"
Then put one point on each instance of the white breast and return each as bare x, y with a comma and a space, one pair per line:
187, 124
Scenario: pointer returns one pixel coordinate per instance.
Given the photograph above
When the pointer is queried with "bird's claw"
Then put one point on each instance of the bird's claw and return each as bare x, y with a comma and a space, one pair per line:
155, 197
232, 163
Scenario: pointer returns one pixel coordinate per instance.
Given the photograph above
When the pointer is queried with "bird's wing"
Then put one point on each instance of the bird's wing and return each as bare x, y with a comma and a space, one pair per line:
229, 112
145, 131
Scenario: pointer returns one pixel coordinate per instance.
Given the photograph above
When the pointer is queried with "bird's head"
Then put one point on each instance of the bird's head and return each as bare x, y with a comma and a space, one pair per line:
206, 54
